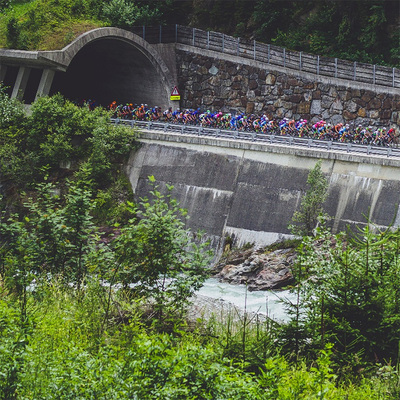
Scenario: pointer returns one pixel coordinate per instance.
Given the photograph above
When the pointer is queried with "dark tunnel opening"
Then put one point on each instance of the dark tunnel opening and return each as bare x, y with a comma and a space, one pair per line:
108, 70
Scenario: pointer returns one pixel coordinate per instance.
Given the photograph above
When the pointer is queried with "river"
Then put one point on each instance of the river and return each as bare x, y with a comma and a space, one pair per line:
264, 302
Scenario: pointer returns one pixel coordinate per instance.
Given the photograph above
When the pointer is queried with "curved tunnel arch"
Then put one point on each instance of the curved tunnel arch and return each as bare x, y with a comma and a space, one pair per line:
109, 64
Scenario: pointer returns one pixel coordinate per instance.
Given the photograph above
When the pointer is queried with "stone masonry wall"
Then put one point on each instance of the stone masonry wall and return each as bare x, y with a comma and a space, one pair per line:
218, 84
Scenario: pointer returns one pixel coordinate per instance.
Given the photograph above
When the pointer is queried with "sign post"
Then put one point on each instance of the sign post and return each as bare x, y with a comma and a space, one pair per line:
175, 95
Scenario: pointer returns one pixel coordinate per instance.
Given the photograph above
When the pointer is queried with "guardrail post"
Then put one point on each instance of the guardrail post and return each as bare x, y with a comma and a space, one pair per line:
254, 49
309, 142
393, 77
317, 65
355, 69
335, 67
284, 57
160, 35
176, 33
223, 42
144, 33
300, 60
132, 123
368, 149
374, 75
329, 144
348, 147
389, 151
208, 40
238, 46
193, 35
268, 53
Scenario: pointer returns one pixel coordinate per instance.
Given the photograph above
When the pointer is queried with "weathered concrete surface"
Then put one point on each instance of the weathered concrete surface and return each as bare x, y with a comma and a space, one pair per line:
105, 64
250, 190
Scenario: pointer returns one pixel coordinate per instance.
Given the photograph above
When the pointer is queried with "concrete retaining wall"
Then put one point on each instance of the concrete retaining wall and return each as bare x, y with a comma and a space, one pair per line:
250, 190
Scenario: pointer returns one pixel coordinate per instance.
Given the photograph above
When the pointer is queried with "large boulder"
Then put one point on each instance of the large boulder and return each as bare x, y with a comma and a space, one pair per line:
259, 269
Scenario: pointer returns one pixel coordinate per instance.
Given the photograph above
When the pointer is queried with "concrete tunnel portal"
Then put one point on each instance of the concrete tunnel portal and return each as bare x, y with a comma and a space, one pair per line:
111, 69
104, 65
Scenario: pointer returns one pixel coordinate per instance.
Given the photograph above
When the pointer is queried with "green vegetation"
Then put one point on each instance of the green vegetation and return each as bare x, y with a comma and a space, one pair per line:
348, 296
365, 31
306, 218
94, 288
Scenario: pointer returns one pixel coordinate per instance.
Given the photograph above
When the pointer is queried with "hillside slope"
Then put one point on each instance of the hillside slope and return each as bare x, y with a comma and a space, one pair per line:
365, 31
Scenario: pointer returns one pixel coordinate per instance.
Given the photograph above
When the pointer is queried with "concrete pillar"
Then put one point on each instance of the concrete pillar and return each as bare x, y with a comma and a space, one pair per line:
45, 83
20, 83
3, 70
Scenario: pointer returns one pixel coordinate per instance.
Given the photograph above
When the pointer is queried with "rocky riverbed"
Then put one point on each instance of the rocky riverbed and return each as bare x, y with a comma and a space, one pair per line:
258, 268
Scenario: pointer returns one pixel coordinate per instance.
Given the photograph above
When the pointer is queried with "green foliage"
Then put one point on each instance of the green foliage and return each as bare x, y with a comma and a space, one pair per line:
54, 239
60, 361
126, 13
12, 343
364, 31
56, 133
157, 255
110, 205
305, 220
4, 4
14, 35
283, 244
348, 286
358, 31
11, 112
14, 161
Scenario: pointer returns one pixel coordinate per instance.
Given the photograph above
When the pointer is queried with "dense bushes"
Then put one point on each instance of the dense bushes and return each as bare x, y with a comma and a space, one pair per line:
58, 133
63, 356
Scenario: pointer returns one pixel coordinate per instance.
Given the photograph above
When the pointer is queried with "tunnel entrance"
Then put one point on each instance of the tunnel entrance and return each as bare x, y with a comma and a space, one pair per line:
111, 69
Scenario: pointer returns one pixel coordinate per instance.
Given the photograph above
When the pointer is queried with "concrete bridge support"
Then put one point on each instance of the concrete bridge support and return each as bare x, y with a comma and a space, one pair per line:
45, 82
20, 83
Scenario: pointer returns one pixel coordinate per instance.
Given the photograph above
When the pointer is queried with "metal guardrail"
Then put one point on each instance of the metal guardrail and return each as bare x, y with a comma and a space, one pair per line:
317, 144
271, 54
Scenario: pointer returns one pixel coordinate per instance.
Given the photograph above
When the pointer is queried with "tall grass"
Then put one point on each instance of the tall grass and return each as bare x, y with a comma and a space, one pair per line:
64, 354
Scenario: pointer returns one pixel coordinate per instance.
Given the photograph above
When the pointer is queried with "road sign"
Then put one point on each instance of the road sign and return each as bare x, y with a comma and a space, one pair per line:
175, 95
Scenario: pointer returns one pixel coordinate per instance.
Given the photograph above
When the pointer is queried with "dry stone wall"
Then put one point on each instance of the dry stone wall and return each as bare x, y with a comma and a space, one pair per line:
218, 84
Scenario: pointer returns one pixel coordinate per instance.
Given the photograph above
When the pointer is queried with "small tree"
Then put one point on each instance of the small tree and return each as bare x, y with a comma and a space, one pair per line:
55, 238
125, 13
306, 218
156, 254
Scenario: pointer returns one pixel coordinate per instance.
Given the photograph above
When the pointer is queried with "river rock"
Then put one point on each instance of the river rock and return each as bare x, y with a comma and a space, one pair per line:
259, 269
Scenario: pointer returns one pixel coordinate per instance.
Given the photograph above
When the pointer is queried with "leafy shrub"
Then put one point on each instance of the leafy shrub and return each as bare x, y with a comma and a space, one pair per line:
284, 244
11, 113
348, 295
156, 254
125, 13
